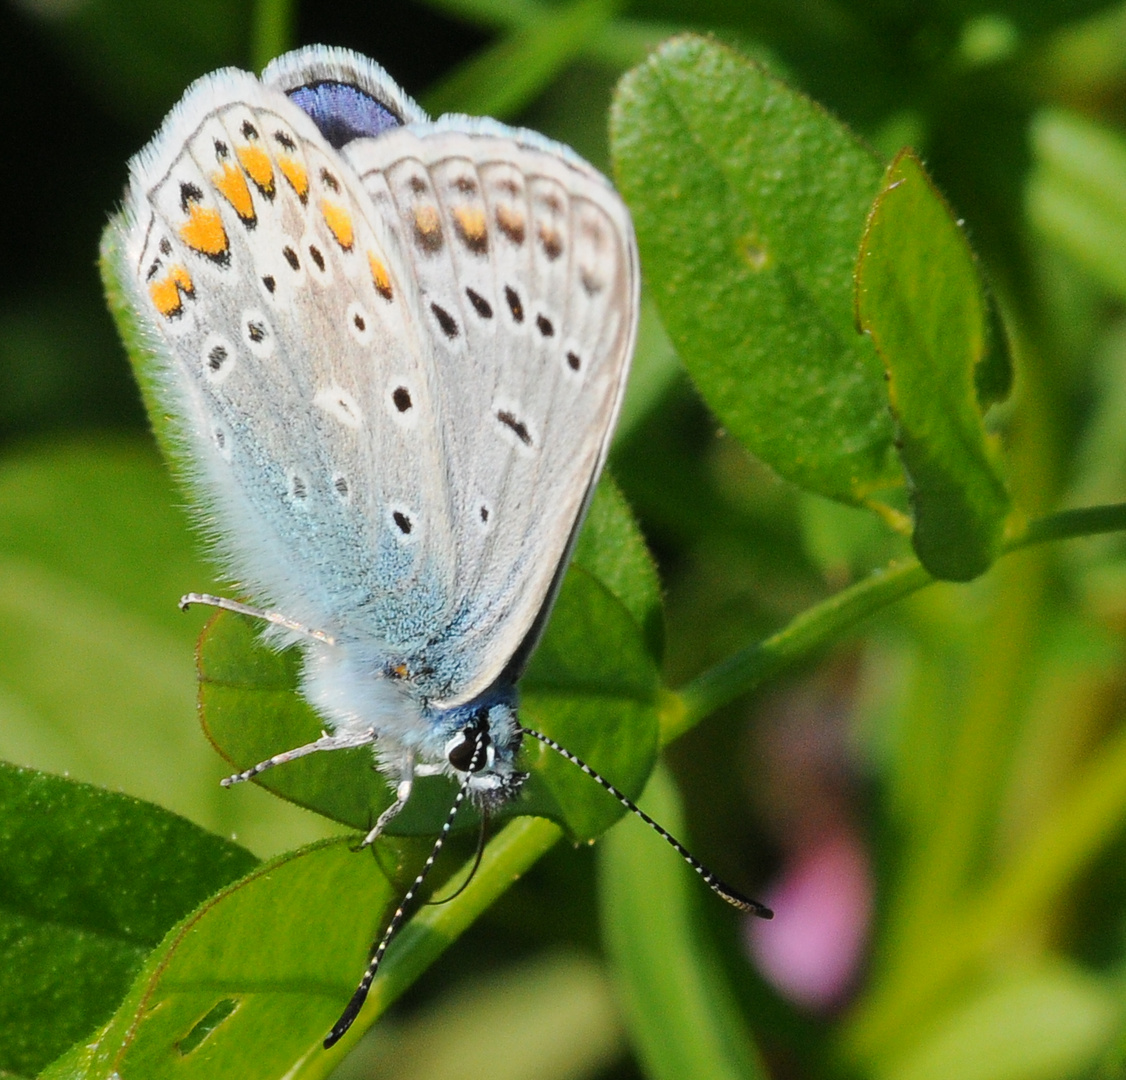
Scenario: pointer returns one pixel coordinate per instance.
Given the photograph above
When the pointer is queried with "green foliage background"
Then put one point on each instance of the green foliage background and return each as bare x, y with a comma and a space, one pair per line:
786, 472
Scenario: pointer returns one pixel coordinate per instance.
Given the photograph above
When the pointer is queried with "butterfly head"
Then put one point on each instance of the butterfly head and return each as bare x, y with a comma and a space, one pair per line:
482, 746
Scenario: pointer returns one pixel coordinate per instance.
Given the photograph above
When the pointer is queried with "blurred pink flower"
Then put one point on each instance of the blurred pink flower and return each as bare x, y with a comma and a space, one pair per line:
813, 948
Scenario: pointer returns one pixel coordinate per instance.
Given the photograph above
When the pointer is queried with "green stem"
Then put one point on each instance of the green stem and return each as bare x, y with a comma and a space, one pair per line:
821, 625
271, 31
507, 76
1067, 524
809, 632
431, 930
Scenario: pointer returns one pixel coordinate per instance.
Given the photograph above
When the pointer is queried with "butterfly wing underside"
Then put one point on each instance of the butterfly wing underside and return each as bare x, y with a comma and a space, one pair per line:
279, 316
393, 368
527, 277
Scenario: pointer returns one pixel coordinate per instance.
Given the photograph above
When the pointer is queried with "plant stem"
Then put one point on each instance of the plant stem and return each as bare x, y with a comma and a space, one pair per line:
1067, 524
809, 632
505, 77
825, 623
271, 31
432, 929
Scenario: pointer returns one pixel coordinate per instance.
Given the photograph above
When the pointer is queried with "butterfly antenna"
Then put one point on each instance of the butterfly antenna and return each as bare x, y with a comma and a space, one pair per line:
720, 888
476, 863
352, 1009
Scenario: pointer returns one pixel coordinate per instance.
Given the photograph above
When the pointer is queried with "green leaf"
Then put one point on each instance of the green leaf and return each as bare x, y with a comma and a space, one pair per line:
919, 297
612, 549
249, 983
250, 710
1076, 193
683, 1017
90, 881
591, 686
749, 202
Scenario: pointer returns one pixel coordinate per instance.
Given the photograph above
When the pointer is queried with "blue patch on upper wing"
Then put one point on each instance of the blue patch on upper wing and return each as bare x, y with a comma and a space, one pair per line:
343, 112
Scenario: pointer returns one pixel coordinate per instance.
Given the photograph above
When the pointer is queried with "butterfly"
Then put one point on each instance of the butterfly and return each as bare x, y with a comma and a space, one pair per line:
392, 351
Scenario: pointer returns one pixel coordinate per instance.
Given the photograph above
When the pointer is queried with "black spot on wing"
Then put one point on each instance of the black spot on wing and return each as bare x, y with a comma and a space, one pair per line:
480, 304
445, 320
518, 427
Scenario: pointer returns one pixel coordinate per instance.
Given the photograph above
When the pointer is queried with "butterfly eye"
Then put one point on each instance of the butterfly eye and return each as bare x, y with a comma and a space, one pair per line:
471, 749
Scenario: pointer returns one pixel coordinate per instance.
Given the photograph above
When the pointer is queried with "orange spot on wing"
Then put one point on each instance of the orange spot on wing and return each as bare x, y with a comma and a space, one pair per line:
511, 222
167, 293
232, 185
380, 276
551, 239
203, 231
427, 227
256, 162
339, 222
470, 222
295, 173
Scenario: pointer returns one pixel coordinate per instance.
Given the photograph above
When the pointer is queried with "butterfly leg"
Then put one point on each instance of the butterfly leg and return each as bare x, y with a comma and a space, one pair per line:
343, 741
275, 617
402, 792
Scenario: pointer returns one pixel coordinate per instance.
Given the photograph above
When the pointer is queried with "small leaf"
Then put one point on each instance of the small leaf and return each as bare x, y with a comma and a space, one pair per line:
592, 687
749, 201
249, 984
919, 297
90, 881
611, 548
250, 710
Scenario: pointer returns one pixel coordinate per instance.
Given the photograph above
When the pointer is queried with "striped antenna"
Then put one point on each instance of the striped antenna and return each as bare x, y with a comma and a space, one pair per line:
719, 887
352, 1009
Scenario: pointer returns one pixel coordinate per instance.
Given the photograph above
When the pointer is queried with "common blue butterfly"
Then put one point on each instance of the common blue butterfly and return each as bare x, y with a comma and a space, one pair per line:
393, 351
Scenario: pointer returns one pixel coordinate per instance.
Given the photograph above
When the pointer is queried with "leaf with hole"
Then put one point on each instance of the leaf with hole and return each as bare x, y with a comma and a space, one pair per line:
91, 881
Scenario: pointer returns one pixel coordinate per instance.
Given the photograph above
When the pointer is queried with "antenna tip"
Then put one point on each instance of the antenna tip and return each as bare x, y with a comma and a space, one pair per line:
743, 903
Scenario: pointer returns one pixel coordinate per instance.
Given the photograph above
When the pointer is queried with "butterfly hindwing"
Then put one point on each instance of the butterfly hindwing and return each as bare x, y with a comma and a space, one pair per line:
527, 279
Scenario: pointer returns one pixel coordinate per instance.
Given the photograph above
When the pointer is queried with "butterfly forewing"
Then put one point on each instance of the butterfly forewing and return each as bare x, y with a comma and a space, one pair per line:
282, 317
527, 281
